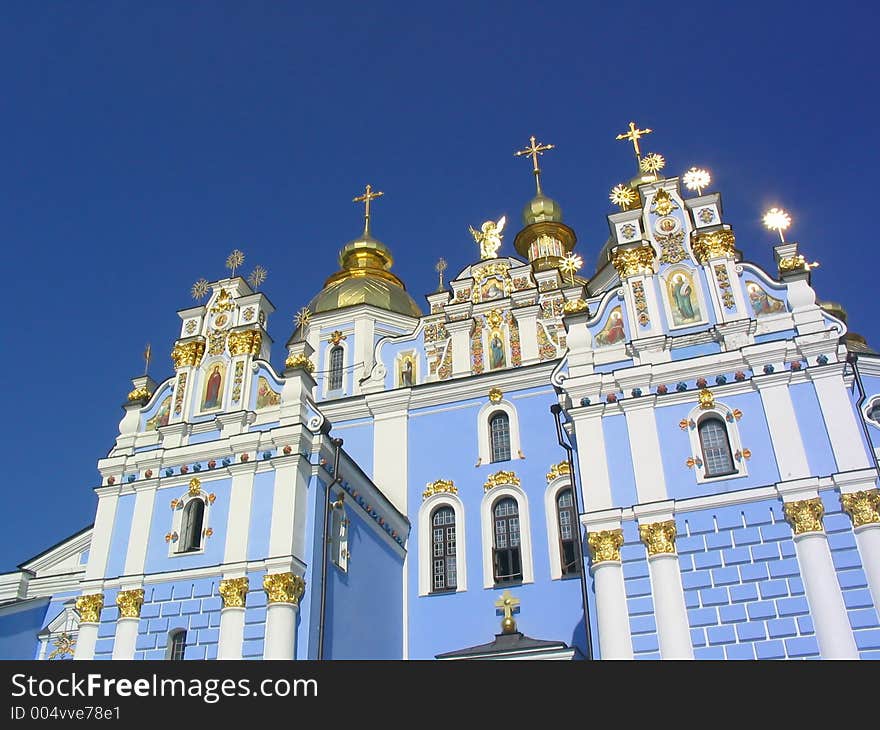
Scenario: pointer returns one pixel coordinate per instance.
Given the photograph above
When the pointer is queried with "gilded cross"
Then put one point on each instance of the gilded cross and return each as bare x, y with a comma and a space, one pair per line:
507, 603
148, 355
440, 268
533, 150
633, 136
365, 199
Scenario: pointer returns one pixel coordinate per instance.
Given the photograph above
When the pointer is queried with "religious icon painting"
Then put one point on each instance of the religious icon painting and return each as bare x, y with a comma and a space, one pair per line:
221, 320
613, 331
492, 288
212, 390
406, 369
497, 356
684, 304
265, 395
160, 418
762, 303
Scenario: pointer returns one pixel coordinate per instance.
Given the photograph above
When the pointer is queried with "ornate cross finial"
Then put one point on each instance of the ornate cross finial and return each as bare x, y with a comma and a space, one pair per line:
633, 136
234, 260
440, 268
365, 199
507, 603
533, 150
148, 355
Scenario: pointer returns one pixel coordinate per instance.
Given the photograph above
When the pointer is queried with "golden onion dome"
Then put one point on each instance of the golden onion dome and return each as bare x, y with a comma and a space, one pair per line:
365, 278
540, 209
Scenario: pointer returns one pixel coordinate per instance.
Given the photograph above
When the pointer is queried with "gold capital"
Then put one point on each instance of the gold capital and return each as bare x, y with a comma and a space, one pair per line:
805, 516
863, 507
187, 354
633, 135
441, 486
365, 199
233, 591
89, 607
284, 587
139, 394
605, 545
246, 342
634, 261
507, 603
533, 150
130, 603
299, 361
715, 244
659, 537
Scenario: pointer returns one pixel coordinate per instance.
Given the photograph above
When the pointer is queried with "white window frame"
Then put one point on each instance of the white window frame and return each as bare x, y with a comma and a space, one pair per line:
551, 494
484, 441
169, 643
721, 411
336, 391
177, 523
866, 410
488, 529
435, 501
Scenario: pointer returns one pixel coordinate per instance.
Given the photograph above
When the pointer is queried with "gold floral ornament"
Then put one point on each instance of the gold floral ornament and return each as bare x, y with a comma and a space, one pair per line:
663, 204
195, 486
574, 305
233, 591
570, 264
299, 362
65, 646
257, 276
234, 260
795, 263
187, 354
199, 290
712, 245
303, 317
697, 179
495, 395
659, 537
805, 516
130, 603
501, 478
139, 394
605, 545
863, 507
284, 587
245, 342
441, 486
336, 337
652, 163
623, 196
558, 470
89, 607
634, 261
707, 399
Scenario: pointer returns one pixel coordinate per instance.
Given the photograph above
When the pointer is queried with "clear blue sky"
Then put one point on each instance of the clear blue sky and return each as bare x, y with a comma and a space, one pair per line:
141, 144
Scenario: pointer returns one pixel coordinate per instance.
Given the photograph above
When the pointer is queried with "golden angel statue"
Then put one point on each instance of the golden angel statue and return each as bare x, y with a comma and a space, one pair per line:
489, 238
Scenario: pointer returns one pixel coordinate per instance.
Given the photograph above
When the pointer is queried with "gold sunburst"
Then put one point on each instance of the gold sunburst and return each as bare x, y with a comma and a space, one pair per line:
258, 276
778, 220
303, 317
199, 289
652, 163
697, 179
623, 196
234, 260
571, 263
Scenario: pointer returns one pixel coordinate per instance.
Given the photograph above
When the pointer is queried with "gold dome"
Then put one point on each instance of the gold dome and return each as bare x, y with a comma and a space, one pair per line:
540, 209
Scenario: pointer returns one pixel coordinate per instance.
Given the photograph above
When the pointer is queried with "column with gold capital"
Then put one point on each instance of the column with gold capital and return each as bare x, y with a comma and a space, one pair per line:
233, 592
863, 507
129, 603
670, 611
612, 617
88, 606
283, 591
635, 264
833, 631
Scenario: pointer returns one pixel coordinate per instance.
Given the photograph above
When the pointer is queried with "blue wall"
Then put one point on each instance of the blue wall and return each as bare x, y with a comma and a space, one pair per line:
817, 445
357, 439
119, 536
619, 458
19, 625
261, 515
639, 601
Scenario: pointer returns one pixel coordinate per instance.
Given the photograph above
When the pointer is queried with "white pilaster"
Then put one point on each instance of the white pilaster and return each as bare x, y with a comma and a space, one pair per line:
860, 499
527, 319
788, 446
101, 533
86, 638
644, 445
840, 418
280, 631
287, 530
126, 637
238, 522
231, 632
868, 540
459, 331
592, 460
139, 536
390, 450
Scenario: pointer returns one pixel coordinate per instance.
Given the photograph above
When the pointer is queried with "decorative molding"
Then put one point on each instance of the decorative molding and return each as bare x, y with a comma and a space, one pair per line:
714, 244
500, 478
187, 354
634, 261
284, 587
707, 400
130, 602
863, 507
805, 515
336, 337
495, 395
659, 537
575, 305
299, 361
234, 591
558, 470
89, 607
605, 545
195, 487
139, 394
246, 342
441, 486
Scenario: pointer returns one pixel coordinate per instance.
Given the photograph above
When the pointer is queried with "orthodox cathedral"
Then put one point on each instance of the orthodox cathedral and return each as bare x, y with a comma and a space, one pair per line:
672, 457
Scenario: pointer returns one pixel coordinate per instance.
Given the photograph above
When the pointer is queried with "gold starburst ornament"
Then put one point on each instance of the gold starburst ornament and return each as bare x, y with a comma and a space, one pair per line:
571, 263
623, 196
199, 290
652, 163
777, 220
234, 260
697, 179
303, 317
258, 276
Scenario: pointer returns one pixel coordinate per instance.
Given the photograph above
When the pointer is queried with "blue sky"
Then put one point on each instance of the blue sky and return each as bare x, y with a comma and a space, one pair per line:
139, 145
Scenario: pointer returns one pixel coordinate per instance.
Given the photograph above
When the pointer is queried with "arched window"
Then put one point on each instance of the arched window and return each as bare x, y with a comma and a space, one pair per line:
567, 519
874, 411
334, 381
177, 645
716, 447
507, 560
191, 526
444, 576
499, 436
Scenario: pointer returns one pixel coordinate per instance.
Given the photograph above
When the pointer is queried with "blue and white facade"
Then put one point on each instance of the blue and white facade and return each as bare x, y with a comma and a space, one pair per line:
724, 442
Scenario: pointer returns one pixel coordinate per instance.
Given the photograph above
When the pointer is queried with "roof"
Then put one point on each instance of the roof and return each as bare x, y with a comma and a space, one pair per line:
509, 645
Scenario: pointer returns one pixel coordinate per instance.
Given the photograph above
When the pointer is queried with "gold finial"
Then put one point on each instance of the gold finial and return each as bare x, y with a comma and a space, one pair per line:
199, 289
571, 263
440, 268
234, 260
652, 163
622, 196
489, 237
707, 399
777, 220
633, 136
508, 604
258, 276
533, 150
148, 355
697, 179
365, 199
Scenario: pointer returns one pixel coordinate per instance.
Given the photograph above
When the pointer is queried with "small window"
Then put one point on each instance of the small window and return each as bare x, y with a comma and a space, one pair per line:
568, 552
339, 538
716, 447
499, 436
443, 565
507, 558
177, 645
334, 381
191, 526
